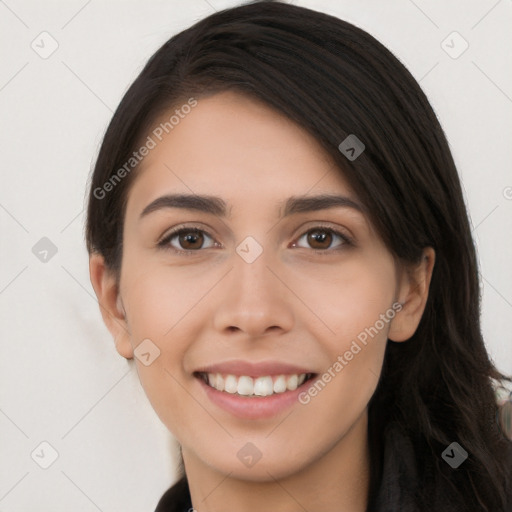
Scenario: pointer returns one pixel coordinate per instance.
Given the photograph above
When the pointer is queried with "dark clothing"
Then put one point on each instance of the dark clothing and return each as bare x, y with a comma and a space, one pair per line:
397, 490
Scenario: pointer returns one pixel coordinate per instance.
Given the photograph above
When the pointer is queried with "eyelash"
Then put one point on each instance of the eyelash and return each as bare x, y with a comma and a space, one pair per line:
164, 243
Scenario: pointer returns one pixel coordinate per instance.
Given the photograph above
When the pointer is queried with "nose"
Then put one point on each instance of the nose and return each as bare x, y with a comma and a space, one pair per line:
253, 298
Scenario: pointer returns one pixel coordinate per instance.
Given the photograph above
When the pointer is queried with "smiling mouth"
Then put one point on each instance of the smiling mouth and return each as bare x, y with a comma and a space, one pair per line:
243, 385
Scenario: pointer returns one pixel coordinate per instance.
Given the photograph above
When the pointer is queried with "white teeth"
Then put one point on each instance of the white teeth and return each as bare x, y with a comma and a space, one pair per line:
292, 383
260, 386
219, 382
245, 386
280, 384
263, 386
230, 384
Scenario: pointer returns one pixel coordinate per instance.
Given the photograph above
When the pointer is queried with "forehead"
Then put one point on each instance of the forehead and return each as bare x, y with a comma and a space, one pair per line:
233, 146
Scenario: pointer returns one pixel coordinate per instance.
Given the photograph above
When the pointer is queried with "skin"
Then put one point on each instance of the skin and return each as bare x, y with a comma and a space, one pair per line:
291, 304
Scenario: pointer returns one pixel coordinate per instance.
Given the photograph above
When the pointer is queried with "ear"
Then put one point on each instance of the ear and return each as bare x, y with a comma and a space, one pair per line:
106, 288
413, 289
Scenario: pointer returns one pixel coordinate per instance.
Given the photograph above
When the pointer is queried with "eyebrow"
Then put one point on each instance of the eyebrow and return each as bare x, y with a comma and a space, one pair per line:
217, 206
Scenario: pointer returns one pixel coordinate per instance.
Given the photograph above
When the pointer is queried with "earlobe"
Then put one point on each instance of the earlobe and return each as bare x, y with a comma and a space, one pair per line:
112, 310
413, 294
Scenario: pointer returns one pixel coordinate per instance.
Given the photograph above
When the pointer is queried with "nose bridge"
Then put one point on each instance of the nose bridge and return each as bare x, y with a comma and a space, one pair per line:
252, 273
253, 298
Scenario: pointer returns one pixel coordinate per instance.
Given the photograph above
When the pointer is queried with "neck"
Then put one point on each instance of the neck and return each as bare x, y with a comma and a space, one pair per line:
337, 480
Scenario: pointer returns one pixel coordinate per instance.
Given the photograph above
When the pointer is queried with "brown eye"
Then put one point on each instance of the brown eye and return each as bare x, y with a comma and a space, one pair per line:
319, 238
188, 240
191, 239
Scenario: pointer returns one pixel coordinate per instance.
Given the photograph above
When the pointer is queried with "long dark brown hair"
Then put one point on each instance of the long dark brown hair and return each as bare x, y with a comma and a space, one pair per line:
334, 79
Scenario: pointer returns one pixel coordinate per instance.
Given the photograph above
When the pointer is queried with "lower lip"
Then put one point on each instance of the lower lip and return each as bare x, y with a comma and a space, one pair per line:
253, 407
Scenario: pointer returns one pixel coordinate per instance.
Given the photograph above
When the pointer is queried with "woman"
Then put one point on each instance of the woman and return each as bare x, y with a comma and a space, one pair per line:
278, 236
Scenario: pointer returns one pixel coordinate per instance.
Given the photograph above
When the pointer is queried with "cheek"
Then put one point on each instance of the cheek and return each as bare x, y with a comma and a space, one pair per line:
157, 298
156, 308
354, 306
351, 296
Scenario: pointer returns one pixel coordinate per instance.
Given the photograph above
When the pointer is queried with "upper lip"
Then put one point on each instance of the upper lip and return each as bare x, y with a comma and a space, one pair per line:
252, 369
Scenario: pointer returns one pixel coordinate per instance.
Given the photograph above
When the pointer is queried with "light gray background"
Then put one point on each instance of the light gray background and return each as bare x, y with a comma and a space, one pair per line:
62, 382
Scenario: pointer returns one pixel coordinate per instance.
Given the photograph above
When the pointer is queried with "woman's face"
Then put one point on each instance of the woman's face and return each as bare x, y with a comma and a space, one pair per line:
259, 284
